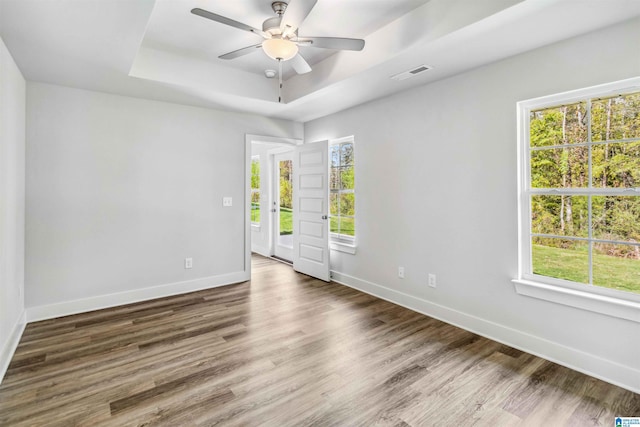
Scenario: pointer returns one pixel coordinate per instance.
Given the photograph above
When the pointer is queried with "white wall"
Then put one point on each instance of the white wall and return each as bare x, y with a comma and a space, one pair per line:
120, 190
12, 171
436, 193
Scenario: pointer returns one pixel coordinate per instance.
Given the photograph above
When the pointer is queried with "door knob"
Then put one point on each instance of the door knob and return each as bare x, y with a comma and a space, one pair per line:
324, 217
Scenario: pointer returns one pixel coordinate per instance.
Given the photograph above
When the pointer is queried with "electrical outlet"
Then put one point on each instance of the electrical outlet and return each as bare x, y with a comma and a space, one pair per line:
188, 263
227, 201
432, 280
401, 272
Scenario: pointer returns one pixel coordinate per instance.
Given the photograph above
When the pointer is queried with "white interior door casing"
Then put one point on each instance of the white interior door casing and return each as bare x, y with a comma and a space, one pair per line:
311, 210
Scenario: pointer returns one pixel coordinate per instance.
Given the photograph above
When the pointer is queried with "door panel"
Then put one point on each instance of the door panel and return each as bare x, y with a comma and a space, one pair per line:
311, 210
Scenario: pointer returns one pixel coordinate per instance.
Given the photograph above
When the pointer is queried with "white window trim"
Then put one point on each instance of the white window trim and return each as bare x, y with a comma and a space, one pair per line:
611, 302
348, 248
342, 242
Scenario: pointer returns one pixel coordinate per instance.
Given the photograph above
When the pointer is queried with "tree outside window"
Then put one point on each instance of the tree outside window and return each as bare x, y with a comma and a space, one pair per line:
584, 192
342, 189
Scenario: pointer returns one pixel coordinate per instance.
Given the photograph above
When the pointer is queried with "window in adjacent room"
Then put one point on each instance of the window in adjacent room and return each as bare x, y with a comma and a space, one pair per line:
342, 191
580, 190
255, 190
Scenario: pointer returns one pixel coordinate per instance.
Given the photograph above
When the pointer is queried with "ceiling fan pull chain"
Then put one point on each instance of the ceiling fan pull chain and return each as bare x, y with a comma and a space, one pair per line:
280, 80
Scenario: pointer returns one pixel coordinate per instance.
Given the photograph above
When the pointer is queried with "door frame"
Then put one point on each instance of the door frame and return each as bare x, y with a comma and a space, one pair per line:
249, 139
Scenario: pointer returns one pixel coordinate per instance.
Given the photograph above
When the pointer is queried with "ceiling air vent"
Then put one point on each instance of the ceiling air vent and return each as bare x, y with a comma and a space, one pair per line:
410, 73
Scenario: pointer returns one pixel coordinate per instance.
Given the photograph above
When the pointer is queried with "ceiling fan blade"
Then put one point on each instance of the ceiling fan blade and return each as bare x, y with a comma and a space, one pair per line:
227, 21
338, 43
240, 52
300, 65
295, 14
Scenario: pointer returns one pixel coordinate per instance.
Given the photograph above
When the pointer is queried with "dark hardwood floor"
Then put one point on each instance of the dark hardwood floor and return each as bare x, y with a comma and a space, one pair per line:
287, 350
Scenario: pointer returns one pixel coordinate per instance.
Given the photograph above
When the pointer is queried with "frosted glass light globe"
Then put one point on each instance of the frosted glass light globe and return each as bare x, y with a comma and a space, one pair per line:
279, 49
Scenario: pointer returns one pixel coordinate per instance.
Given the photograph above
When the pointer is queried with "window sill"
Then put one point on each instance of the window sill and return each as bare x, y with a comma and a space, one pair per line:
614, 307
343, 247
255, 227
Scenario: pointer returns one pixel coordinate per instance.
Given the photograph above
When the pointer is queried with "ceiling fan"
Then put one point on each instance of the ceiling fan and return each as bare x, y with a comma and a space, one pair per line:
280, 34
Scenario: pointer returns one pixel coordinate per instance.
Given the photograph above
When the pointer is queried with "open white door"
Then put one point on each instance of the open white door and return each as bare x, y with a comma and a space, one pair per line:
311, 209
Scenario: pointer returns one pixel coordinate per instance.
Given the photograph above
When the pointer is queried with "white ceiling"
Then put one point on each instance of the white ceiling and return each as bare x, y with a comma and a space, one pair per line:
158, 50
173, 28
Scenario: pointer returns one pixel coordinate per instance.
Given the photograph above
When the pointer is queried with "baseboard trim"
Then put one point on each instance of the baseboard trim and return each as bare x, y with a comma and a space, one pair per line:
595, 366
50, 311
261, 251
12, 343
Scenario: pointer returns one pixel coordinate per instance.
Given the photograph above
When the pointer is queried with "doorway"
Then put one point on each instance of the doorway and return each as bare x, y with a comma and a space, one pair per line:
287, 203
269, 219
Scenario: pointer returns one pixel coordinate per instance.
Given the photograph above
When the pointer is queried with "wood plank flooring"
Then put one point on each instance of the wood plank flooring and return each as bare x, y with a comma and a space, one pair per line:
287, 350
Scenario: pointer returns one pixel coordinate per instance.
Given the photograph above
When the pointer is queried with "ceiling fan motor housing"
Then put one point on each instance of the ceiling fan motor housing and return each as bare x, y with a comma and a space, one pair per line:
272, 25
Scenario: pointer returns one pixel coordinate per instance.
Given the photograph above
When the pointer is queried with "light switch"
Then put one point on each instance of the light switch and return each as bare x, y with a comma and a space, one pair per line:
227, 201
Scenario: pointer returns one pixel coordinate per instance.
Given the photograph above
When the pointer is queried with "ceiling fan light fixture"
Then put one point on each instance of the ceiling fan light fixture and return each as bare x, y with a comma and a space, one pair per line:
278, 48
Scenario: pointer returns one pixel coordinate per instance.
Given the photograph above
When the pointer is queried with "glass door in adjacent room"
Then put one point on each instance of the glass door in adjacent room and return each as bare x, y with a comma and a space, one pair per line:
283, 206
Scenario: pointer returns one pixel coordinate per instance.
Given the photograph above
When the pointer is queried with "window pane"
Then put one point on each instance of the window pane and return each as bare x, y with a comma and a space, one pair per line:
334, 204
255, 174
334, 179
334, 155
346, 178
255, 206
286, 184
615, 118
560, 258
616, 218
616, 165
347, 226
560, 125
616, 266
560, 168
347, 204
342, 184
286, 221
335, 224
560, 215
346, 154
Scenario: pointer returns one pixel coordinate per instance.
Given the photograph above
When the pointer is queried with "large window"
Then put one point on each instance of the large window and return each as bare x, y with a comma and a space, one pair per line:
255, 190
342, 190
580, 190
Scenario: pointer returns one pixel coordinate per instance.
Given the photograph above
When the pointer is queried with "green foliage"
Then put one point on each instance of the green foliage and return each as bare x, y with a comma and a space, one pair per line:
255, 191
342, 183
255, 213
342, 225
547, 215
342, 204
255, 174
568, 263
615, 163
286, 221
286, 184
571, 264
